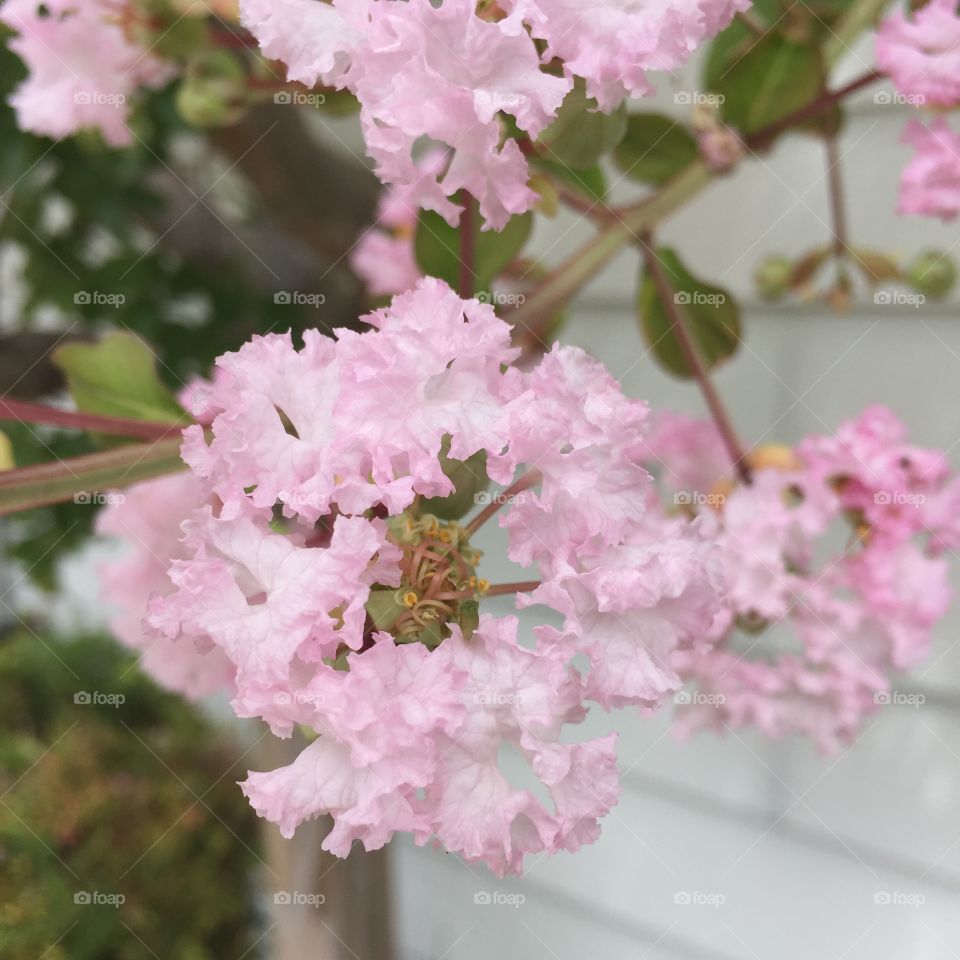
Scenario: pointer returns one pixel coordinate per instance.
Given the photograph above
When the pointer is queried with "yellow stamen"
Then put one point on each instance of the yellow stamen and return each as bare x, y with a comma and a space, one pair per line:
410, 599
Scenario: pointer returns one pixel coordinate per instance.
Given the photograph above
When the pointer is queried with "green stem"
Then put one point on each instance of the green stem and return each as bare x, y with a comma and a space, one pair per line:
48, 483
533, 316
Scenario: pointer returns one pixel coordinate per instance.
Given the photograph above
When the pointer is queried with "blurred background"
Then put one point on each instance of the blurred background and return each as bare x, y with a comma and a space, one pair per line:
122, 833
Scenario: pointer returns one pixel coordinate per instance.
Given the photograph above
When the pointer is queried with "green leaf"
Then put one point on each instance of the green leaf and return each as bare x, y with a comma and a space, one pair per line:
590, 181
118, 377
469, 478
437, 247
655, 148
580, 135
771, 78
81, 479
711, 317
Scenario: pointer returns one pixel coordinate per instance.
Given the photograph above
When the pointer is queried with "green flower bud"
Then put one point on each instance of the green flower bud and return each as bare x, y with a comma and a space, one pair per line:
773, 277
932, 274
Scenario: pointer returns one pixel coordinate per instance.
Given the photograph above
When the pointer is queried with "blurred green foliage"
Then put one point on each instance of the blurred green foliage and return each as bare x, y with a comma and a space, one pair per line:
133, 798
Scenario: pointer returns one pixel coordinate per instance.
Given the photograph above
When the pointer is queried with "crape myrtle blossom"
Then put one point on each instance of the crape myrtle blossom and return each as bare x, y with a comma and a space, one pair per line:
613, 44
920, 52
84, 69
443, 73
307, 561
930, 183
839, 543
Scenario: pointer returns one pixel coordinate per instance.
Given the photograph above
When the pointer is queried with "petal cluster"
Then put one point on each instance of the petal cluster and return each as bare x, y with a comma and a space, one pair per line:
83, 68
920, 52
304, 563
930, 183
835, 580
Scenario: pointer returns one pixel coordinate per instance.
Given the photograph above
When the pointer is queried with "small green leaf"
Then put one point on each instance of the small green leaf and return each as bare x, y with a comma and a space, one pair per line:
772, 78
710, 314
437, 247
117, 377
580, 135
655, 148
469, 478
590, 181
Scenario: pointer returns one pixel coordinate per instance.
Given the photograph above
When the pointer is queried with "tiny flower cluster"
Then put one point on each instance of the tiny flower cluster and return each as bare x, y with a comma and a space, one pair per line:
321, 566
835, 567
921, 55
444, 73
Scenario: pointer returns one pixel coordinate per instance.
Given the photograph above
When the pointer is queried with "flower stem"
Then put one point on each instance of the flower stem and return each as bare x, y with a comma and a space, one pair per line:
690, 353
24, 412
838, 208
503, 589
529, 479
468, 254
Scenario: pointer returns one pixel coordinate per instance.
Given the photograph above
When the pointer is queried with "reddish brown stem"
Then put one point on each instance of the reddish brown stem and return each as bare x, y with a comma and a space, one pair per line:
503, 589
692, 357
468, 229
23, 412
500, 499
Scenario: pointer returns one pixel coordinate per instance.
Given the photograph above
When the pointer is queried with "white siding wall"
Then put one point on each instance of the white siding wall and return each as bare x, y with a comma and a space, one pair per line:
797, 844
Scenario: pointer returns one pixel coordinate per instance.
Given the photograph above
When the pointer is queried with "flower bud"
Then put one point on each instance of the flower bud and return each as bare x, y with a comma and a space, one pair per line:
213, 91
932, 274
773, 276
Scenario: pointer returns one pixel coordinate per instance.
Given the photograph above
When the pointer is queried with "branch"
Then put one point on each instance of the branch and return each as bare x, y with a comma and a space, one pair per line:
23, 412
679, 329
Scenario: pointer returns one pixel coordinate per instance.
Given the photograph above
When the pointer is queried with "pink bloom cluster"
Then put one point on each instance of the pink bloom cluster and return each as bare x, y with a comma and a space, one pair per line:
441, 73
921, 53
835, 574
930, 184
344, 609
83, 68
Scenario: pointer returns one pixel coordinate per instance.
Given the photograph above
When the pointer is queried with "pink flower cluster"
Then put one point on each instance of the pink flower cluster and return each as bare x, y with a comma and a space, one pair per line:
442, 73
930, 184
309, 565
833, 555
921, 53
83, 68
